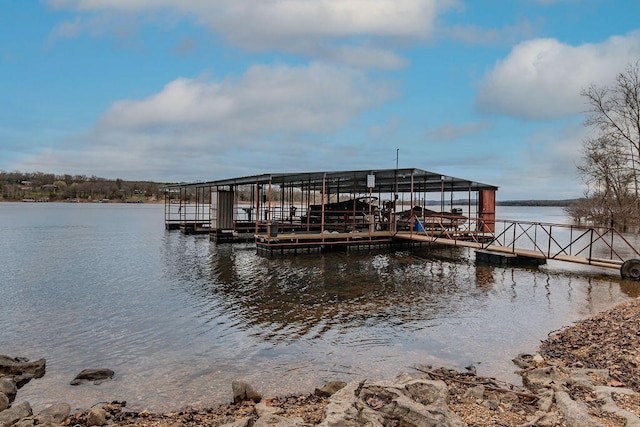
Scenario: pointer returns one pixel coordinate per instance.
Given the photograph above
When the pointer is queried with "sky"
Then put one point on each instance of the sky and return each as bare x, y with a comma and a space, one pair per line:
198, 90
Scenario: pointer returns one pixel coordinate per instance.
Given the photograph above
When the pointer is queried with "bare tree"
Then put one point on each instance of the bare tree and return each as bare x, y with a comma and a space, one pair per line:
604, 168
611, 160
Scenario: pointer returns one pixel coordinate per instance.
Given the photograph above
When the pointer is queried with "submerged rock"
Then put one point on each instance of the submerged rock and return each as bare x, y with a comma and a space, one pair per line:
95, 375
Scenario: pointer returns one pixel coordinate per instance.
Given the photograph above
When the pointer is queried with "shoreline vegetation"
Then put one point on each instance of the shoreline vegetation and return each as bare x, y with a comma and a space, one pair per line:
43, 187
584, 375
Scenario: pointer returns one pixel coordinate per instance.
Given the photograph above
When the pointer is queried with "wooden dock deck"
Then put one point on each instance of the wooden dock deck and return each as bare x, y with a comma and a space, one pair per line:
308, 242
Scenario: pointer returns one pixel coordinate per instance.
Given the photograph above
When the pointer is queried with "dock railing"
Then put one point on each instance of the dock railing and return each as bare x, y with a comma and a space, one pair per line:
184, 214
599, 246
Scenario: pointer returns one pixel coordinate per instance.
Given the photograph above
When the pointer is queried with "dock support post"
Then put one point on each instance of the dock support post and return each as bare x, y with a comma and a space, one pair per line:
487, 211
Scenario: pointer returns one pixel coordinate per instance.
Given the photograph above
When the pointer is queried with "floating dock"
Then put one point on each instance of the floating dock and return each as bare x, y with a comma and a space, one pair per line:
366, 209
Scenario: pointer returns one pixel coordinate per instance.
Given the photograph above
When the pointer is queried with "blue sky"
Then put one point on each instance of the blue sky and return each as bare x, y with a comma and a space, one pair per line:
187, 90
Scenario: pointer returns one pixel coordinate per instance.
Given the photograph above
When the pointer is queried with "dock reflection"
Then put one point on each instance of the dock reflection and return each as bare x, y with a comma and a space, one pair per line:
289, 298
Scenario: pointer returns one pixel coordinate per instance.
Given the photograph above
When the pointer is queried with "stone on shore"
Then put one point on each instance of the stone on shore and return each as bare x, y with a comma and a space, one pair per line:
407, 402
55, 413
8, 387
10, 416
4, 402
262, 409
330, 388
243, 391
21, 370
242, 422
96, 417
278, 421
95, 375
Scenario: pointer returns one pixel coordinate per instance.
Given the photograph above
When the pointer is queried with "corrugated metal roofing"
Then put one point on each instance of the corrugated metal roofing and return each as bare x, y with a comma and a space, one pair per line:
400, 180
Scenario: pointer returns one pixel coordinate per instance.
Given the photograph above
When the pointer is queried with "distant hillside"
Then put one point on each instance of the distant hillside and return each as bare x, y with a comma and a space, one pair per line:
554, 203
43, 187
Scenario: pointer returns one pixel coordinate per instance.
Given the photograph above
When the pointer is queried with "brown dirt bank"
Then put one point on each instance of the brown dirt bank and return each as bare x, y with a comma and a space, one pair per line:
608, 341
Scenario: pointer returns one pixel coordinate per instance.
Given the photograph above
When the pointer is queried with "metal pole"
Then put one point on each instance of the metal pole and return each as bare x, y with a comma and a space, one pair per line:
268, 210
324, 179
411, 216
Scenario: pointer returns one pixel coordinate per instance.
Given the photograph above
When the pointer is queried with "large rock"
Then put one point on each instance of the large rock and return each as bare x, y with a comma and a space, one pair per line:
96, 417
10, 416
243, 391
95, 375
4, 402
21, 370
539, 379
415, 402
576, 413
55, 413
8, 387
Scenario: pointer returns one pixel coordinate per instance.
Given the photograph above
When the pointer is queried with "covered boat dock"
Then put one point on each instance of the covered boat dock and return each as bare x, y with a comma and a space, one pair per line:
365, 209
302, 211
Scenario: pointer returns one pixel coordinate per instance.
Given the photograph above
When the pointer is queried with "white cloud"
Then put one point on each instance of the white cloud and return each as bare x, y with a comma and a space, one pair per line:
265, 100
450, 131
543, 78
266, 115
477, 35
351, 27
399, 18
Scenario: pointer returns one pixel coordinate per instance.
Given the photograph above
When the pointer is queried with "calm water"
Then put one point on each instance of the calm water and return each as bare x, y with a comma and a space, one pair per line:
179, 317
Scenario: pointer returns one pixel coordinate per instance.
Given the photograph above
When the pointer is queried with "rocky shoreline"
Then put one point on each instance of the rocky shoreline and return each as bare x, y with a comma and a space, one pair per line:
584, 375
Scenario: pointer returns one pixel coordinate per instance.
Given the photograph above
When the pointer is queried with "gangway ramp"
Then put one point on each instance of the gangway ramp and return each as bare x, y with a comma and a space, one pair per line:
581, 244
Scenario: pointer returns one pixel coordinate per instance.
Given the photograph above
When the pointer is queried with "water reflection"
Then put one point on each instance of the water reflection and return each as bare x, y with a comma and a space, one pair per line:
286, 299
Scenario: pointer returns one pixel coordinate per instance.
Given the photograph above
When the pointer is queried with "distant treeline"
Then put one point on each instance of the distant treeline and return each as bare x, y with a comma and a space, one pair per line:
553, 203
42, 187
556, 203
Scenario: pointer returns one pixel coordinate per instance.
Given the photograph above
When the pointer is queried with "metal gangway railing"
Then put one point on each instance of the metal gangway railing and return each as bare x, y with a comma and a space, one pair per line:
191, 216
583, 244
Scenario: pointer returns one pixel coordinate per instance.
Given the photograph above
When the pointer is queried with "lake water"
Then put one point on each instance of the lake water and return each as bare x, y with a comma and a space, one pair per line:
178, 317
